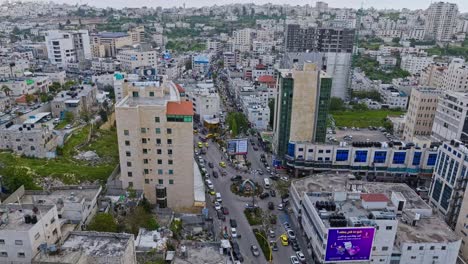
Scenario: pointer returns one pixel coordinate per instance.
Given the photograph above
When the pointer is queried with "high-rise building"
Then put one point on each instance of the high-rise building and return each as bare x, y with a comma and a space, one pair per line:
441, 21
451, 119
421, 112
155, 137
67, 47
334, 44
302, 105
433, 75
455, 77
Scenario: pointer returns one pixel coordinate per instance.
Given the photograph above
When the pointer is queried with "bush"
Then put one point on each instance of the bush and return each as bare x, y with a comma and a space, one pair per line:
260, 235
254, 216
103, 222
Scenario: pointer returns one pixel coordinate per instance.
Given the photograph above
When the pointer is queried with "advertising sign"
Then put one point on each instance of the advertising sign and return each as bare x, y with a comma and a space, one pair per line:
237, 147
349, 244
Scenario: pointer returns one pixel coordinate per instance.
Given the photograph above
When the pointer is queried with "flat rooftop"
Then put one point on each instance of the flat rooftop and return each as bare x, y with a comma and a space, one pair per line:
361, 135
426, 230
71, 195
12, 215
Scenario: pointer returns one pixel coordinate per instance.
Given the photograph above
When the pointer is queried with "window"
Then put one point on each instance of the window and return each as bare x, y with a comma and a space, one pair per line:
126, 132
21, 255
157, 119
169, 131
2, 241
146, 171
421, 248
417, 158
171, 172
389, 227
130, 174
127, 143
320, 150
145, 151
443, 248
130, 184
145, 161
129, 164
413, 257
128, 153
170, 162
327, 151
146, 181
431, 160
144, 140
160, 171
380, 156
158, 141
169, 141
435, 257
143, 130
18, 242
160, 181
151, 94
3, 254
342, 155
135, 94
169, 151
361, 156
158, 130
399, 157
159, 161
159, 151
384, 248
171, 181
432, 248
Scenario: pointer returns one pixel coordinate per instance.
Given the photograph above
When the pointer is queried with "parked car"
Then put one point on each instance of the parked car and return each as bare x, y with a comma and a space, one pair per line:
271, 206
264, 195
274, 177
291, 234
260, 172
294, 260
286, 225
210, 164
273, 193
271, 233
301, 257
233, 222
254, 250
284, 240
233, 232
236, 178
274, 245
225, 210
217, 206
251, 206
221, 216
215, 174
280, 206
295, 245
255, 148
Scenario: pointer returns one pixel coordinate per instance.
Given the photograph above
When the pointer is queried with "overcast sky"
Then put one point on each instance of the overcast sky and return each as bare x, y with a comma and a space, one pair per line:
379, 4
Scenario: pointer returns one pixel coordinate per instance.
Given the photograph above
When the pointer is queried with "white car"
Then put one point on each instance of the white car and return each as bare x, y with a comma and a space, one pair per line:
294, 260
291, 234
284, 178
68, 126
301, 256
234, 232
217, 206
209, 184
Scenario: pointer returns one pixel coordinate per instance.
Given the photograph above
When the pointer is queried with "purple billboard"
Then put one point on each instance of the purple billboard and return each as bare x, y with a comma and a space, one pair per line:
349, 244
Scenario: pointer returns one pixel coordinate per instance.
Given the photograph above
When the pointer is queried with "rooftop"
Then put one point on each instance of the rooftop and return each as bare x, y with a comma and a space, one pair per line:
74, 93
112, 34
12, 216
361, 135
179, 108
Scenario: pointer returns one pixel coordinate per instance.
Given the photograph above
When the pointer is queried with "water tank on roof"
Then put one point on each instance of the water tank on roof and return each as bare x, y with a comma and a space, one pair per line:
27, 219
33, 219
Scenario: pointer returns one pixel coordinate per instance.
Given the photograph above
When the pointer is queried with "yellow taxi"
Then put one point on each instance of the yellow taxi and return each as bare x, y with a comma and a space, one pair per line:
284, 240
212, 192
200, 145
206, 144
222, 164
195, 131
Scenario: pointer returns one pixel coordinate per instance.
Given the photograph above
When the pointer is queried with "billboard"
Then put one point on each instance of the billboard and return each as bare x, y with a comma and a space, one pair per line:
237, 146
349, 244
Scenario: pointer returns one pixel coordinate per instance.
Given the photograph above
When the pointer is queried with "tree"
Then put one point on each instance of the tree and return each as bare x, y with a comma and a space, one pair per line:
6, 90
29, 98
360, 107
337, 104
55, 87
139, 217
110, 90
396, 40
69, 117
14, 177
103, 115
103, 222
85, 115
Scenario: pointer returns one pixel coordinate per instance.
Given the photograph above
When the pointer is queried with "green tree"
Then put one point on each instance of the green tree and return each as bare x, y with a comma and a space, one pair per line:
85, 115
103, 222
29, 98
14, 177
337, 104
103, 115
69, 117
55, 87
139, 217
360, 107
6, 90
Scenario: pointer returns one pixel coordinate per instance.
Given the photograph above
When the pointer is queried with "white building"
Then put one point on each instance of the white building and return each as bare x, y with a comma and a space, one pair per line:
400, 225
450, 121
415, 64
455, 77
133, 59
67, 47
441, 21
205, 99
393, 98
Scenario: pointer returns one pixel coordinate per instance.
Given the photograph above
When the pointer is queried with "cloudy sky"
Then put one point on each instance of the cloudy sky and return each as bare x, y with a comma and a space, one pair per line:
380, 4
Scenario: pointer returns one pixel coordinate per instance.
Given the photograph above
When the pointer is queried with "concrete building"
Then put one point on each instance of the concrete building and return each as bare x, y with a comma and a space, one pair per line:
104, 65
200, 64
450, 121
404, 228
386, 62
25, 229
421, 112
393, 98
415, 64
433, 75
106, 44
27, 85
76, 100
205, 99
133, 59
302, 39
67, 47
302, 105
441, 21
455, 76
154, 123
214, 46
257, 111
31, 139
91, 248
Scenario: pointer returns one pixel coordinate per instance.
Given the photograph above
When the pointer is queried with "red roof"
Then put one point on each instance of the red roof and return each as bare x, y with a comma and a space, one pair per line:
260, 66
21, 99
180, 88
266, 79
374, 197
179, 108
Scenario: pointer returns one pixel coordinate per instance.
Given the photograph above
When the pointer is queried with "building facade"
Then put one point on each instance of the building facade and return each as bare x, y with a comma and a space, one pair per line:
450, 120
441, 21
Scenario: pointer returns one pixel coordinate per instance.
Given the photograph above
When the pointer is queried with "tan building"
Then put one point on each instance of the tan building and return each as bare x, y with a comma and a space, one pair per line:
132, 59
155, 137
105, 44
137, 34
433, 75
421, 111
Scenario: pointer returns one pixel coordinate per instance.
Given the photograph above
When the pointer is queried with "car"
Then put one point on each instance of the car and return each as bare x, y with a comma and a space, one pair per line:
272, 193
274, 245
206, 144
196, 152
210, 164
284, 178
264, 195
267, 168
280, 206
295, 245
209, 184
222, 164
294, 260
68, 126
221, 216
274, 177
287, 226
212, 192
255, 251
255, 148
233, 222
200, 144
224, 210
236, 178
271, 233
217, 206
301, 257
195, 131
215, 174
233, 232
251, 206
271, 206
260, 172
291, 234
284, 240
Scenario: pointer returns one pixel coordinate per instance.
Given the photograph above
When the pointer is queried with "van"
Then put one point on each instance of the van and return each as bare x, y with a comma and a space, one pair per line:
266, 183
218, 197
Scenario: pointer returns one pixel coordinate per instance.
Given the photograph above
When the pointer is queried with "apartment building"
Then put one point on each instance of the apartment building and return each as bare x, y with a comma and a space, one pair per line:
388, 222
214, 46
133, 59
302, 105
455, 77
106, 44
242, 38
155, 137
392, 97
302, 39
205, 99
415, 64
90, 248
256, 109
421, 112
433, 75
104, 65
441, 21
76, 100
67, 47
27, 85
200, 64
25, 229
450, 121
